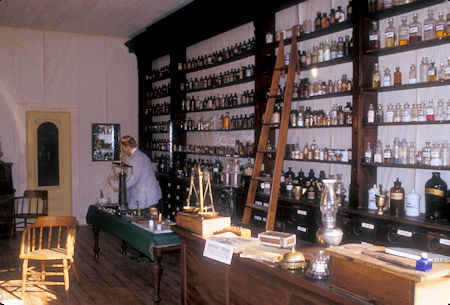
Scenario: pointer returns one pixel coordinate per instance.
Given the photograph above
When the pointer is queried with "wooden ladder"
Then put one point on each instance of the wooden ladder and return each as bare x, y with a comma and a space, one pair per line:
279, 151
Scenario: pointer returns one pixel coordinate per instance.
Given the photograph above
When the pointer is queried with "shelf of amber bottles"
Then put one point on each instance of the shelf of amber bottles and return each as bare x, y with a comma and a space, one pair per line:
403, 9
323, 96
221, 108
408, 123
332, 62
240, 81
409, 47
224, 61
407, 86
412, 166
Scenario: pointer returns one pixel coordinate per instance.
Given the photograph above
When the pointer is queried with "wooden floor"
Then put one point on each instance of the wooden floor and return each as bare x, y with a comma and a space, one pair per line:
113, 279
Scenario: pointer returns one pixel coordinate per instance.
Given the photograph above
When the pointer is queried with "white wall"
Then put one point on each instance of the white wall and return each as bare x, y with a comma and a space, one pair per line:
96, 75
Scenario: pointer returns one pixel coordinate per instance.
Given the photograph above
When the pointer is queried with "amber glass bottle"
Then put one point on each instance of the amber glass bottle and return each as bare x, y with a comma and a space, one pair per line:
435, 197
397, 196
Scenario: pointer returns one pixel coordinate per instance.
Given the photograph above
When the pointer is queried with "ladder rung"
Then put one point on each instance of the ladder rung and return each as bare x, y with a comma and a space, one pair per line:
267, 151
276, 96
263, 179
271, 124
258, 207
285, 68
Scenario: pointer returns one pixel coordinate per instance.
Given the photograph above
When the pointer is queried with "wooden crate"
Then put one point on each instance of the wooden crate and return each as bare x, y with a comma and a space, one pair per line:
356, 271
200, 225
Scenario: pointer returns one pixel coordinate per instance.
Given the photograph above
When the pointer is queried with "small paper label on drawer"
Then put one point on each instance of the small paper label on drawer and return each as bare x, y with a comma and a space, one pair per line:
264, 219
301, 229
302, 212
266, 204
257, 217
169, 206
178, 186
177, 197
404, 233
168, 195
169, 184
258, 203
444, 241
367, 226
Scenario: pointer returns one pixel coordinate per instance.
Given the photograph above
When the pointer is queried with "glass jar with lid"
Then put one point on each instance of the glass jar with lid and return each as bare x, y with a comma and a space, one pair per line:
390, 35
403, 32
429, 26
374, 36
440, 26
415, 29
412, 75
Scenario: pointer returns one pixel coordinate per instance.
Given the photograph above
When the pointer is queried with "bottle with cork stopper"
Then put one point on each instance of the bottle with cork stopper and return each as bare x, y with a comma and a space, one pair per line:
397, 199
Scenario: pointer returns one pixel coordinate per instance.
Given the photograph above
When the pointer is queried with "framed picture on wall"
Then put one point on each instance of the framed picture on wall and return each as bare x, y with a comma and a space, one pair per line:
105, 142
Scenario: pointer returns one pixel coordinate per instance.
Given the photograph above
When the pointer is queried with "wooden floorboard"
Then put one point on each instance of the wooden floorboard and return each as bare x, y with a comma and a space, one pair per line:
113, 279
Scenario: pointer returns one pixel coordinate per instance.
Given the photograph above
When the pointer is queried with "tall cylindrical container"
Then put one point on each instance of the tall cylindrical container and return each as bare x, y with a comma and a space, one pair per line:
413, 204
435, 197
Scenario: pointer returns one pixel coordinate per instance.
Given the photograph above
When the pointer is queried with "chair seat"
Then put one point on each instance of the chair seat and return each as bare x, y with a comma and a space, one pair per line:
46, 254
28, 215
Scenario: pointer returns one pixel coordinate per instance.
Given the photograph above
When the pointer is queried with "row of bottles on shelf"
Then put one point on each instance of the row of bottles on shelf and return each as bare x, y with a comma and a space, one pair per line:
159, 91
314, 152
211, 81
218, 102
327, 50
402, 153
160, 126
323, 20
158, 73
224, 122
428, 72
158, 144
436, 193
414, 113
218, 56
158, 109
379, 5
409, 33
306, 89
239, 149
314, 118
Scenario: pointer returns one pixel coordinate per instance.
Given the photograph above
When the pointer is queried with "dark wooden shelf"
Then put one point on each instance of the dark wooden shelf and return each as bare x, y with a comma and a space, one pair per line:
409, 123
224, 108
163, 96
333, 62
412, 166
225, 61
324, 126
403, 9
220, 130
323, 96
407, 86
241, 81
319, 161
213, 155
155, 132
409, 47
158, 78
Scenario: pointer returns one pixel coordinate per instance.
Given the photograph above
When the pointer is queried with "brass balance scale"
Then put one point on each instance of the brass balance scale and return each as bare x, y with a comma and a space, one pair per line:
203, 210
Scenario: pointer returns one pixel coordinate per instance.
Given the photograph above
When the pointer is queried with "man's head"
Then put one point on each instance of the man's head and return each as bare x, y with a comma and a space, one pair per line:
127, 143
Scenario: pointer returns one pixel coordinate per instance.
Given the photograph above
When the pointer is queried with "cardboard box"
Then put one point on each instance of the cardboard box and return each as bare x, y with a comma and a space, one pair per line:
277, 239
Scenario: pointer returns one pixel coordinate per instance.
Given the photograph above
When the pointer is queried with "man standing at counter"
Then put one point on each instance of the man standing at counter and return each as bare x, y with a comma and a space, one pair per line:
141, 184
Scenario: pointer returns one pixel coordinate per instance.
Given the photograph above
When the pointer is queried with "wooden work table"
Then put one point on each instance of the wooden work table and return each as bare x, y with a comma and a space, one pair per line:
246, 281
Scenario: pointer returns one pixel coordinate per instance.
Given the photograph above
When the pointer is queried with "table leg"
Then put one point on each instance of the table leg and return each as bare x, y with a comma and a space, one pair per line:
96, 231
124, 247
157, 271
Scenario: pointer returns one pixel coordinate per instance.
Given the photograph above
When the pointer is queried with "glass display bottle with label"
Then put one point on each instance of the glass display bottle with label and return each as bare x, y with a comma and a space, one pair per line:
374, 36
387, 79
423, 70
440, 26
429, 26
397, 76
403, 32
397, 199
390, 35
435, 197
431, 73
415, 29
376, 77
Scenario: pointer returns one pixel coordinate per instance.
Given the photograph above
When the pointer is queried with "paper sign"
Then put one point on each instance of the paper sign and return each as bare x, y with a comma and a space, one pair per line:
218, 251
367, 225
404, 233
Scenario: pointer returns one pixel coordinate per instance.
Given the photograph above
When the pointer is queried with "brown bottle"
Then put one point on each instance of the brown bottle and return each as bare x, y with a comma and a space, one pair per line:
397, 199
397, 76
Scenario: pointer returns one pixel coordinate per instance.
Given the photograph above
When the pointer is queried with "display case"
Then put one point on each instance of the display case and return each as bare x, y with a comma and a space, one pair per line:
105, 142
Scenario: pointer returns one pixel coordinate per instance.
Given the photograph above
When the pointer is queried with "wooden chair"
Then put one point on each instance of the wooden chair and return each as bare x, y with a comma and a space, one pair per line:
50, 238
33, 204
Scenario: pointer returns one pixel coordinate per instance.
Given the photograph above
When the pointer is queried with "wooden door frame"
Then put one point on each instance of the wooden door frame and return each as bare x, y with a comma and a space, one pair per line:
23, 108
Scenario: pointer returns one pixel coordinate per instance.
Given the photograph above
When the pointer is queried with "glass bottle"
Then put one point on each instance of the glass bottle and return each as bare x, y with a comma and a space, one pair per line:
379, 115
421, 114
430, 111
371, 114
403, 32
441, 72
387, 79
374, 36
300, 117
326, 50
414, 113
411, 157
440, 111
368, 154
397, 199
390, 35
376, 77
440, 26
426, 153
226, 121
447, 111
423, 70
398, 113
333, 50
445, 154
314, 55
390, 114
397, 76
378, 155
435, 197
387, 155
406, 113
396, 151
403, 152
447, 69
436, 159
412, 76
429, 25
431, 73
340, 47
415, 29
447, 28
317, 21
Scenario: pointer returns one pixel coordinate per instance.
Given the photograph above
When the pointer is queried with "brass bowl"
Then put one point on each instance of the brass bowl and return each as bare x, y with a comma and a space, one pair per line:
189, 208
208, 214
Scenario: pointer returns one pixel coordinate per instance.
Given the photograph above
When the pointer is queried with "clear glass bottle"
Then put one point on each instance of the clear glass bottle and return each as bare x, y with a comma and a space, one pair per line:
403, 152
445, 154
398, 113
368, 154
333, 50
390, 35
426, 153
378, 154
440, 26
414, 113
390, 114
326, 50
436, 159
387, 79
406, 113
340, 47
423, 70
320, 52
412, 75
374, 36
411, 159
441, 72
415, 29
430, 111
421, 114
431, 73
376, 77
447, 69
371, 114
379, 114
429, 27
387, 155
396, 151
397, 76
447, 111
403, 32
440, 111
